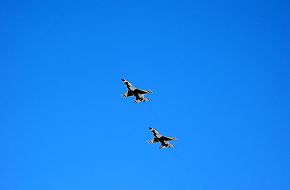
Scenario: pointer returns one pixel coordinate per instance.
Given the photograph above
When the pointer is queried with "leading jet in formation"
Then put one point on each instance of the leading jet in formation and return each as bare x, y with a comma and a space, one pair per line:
138, 93
162, 139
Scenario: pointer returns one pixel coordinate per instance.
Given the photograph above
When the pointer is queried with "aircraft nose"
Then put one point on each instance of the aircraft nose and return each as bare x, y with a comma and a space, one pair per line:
123, 80
150, 128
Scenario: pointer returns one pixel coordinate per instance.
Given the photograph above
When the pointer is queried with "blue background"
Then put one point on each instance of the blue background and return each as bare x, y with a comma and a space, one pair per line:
220, 74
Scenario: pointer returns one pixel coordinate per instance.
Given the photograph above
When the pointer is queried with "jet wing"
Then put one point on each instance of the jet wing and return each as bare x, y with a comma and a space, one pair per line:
144, 91
163, 138
154, 140
128, 94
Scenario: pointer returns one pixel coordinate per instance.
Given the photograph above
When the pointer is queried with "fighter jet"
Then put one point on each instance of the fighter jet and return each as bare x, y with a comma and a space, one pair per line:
138, 93
162, 139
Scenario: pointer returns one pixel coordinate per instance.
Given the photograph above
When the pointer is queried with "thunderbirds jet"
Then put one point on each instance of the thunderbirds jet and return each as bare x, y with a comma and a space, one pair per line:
138, 93
162, 139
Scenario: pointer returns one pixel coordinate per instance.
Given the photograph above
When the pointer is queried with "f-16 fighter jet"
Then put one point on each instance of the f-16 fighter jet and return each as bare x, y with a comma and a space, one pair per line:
138, 93
162, 139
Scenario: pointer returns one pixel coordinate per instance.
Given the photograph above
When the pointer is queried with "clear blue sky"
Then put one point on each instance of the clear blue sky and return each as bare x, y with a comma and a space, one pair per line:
220, 72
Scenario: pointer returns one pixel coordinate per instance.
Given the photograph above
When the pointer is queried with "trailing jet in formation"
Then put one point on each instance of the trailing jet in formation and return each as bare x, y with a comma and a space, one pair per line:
138, 93
162, 139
